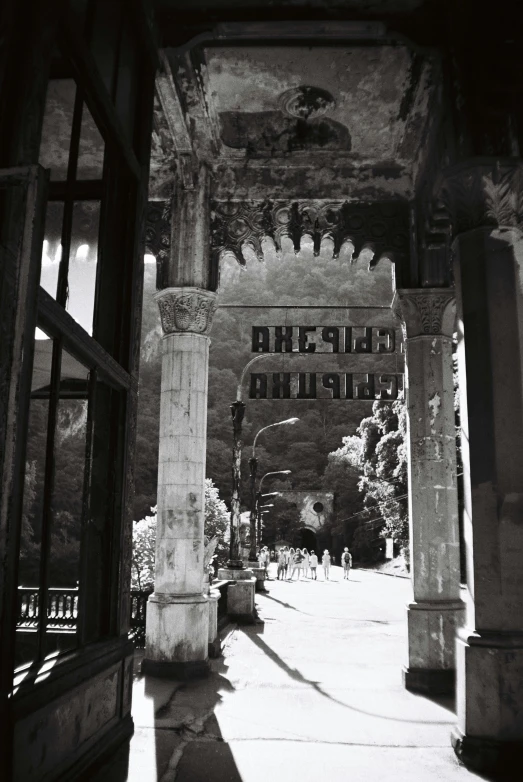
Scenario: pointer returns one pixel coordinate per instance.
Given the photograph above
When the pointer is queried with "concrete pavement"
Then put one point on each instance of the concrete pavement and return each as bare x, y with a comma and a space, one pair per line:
315, 691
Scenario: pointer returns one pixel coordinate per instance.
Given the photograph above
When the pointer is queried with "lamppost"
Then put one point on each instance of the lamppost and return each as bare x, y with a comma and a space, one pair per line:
260, 514
253, 467
237, 411
259, 498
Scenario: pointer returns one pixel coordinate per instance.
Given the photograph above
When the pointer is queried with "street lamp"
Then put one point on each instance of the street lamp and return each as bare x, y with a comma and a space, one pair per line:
255, 496
260, 512
238, 412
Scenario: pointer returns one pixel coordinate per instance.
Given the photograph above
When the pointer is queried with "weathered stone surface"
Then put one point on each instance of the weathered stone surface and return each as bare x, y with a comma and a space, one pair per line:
489, 269
437, 609
177, 615
177, 628
240, 598
186, 310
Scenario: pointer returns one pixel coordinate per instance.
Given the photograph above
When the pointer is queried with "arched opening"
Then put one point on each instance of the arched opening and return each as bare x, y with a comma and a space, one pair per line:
308, 539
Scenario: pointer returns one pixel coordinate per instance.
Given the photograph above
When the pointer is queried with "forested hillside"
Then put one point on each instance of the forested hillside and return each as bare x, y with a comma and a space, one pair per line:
302, 448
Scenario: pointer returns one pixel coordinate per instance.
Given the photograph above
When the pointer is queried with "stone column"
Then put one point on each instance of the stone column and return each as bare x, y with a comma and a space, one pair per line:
489, 286
177, 611
436, 611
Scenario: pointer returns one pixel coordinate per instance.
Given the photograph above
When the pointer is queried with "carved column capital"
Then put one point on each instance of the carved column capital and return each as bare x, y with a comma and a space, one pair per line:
426, 311
186, 310
484, 193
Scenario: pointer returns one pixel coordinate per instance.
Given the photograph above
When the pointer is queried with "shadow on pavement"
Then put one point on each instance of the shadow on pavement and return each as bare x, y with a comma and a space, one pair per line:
295, 674
176, 732
306, 613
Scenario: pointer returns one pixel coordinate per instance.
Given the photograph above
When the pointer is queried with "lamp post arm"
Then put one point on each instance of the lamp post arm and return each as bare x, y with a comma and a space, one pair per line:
259, 433
239, 388
276, 472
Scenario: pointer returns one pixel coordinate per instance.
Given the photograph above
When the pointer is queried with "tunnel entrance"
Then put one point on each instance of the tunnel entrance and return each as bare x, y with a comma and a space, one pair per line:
308, 540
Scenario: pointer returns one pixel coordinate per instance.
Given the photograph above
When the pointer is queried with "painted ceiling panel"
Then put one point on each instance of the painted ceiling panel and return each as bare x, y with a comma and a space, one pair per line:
279, 100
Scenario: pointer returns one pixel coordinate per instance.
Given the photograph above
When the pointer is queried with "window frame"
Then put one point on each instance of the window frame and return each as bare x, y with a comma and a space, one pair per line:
128, 170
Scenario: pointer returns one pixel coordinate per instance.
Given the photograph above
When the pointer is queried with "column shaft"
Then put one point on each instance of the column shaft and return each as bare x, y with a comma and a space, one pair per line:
177, 612
436, 610
181, 464
489, 275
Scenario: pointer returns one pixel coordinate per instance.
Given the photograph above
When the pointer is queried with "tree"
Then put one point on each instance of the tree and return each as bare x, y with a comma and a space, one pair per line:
144, 548
282, 523
378, 453
144, 537
216, 519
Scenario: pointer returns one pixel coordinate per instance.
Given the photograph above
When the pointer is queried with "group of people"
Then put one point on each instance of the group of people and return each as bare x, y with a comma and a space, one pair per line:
300, 561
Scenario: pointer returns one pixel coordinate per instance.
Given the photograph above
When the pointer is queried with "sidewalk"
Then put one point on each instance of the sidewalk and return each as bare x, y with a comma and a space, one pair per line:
315, 692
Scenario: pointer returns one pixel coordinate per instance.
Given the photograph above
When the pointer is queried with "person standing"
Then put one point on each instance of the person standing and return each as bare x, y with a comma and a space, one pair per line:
290, 562
326, 562
266, 561
285, 561
305, 563
298, 559
282, 559
313, 564
346, 561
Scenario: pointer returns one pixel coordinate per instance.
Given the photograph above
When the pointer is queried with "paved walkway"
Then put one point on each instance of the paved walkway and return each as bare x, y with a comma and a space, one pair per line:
313, 693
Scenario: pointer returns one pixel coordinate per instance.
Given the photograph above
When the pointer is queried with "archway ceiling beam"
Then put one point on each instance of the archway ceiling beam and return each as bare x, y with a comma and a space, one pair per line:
381, 227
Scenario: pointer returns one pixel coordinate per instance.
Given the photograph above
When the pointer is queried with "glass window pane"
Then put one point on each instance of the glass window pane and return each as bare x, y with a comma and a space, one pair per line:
83, 261
104, 509
80, 9
104, 43
126, 91
57, 127
33, 501
52, 249
66, 506
91, 149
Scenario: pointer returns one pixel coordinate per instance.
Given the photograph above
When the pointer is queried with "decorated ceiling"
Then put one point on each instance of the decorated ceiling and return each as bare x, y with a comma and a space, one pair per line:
283, 109
283, 101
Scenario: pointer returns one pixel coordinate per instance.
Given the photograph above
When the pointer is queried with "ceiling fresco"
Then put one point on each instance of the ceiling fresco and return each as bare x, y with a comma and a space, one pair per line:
320, 120
279, 101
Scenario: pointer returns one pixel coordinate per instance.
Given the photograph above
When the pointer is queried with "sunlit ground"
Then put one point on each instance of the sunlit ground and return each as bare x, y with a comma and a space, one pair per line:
314, 692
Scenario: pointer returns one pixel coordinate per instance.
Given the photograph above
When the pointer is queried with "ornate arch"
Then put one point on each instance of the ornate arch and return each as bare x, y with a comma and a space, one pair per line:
382, 227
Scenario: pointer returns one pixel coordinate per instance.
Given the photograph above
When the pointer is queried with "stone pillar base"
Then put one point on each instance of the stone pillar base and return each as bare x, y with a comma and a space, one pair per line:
489, 734
259, 575
227, 574
235, 564
177, 635
215, 647
240, 594
240, 600
488, 756
429, 682
432, 627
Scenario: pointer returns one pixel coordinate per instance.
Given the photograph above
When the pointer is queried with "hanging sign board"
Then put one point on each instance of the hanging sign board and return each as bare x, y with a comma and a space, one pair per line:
355, 354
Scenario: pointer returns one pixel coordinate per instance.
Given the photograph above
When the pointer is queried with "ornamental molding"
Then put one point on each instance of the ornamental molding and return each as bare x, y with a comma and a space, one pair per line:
158, 237
483, 193
381, 227
186, 310
426, 311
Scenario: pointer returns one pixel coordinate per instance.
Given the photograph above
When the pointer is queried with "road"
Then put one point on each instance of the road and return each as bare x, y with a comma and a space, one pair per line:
314, 691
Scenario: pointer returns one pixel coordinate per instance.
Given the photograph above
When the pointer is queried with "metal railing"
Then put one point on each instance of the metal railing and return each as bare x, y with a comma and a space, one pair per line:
137, 619
62, 608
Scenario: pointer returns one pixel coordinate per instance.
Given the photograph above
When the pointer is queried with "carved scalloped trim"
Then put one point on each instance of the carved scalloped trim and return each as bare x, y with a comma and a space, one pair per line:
381, 227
